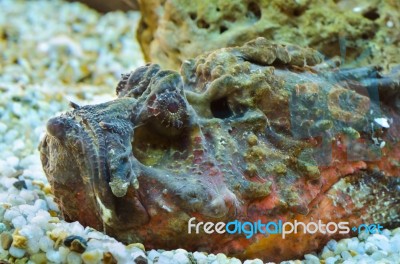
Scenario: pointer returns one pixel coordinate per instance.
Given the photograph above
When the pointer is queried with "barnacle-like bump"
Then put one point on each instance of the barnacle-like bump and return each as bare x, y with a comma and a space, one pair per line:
170, 109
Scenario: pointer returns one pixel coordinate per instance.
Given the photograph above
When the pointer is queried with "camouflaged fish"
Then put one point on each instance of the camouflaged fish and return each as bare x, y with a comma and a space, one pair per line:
265, 131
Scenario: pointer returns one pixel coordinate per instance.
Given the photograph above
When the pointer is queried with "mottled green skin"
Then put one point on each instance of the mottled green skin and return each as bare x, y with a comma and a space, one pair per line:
236, 135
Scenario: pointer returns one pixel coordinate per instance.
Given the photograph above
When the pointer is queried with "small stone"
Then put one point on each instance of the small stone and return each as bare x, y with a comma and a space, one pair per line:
152, 254
76, 243
108, 258
396, 231
380, 240
311, 259
191, 258
39, 258
2, 227
168, 254
162, 259
75, 258
211, 257
141, 260
6, 240
332, 244
53, 256
92, 257
370, 248
379, 255
16, 252
222, 259
58, 237
181, 250
20, 185
254, 261
353, 244
63, 253
19, 241
19, 221
21, 260
3, 127
235, 261
363, 236
341, 246
138, 245
180, 258
326, 253
346, 255
330, 260
45, 243
136, 252
200, 257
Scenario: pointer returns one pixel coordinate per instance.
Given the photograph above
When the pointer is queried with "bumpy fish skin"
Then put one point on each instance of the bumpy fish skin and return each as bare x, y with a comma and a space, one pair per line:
265, 131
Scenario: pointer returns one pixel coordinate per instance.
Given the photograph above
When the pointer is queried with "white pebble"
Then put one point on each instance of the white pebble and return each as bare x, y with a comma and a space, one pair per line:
11, 214
6, 170
311, 259
211, 257
168, 254
18, 145
395, 244
254, 261
181, 250
386, 233
180, 258
199, 256
51, 204
346, 255
27, 195
63, 253
330, 260
353, 244
46, 244
19, 221
92, 257
135, 252
3, 128
12, 161
15, 199
74, 258
54, 256
235, 261
341, 246
16, 252
379, 240
164, 259
41, 220
40, 204
76, 228
27, 210
378, 255
332, 244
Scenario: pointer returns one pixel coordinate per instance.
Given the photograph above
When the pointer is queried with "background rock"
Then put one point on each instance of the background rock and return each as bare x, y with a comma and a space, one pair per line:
171, 31
107, 6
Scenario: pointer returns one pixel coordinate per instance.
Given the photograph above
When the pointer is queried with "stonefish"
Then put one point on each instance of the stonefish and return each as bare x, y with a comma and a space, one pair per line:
265, 131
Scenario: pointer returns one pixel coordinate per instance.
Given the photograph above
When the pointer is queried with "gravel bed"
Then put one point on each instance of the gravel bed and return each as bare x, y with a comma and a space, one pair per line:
54, 52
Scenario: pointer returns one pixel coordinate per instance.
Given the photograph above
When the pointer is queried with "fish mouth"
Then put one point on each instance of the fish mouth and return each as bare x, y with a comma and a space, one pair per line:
74, 150
76, 165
